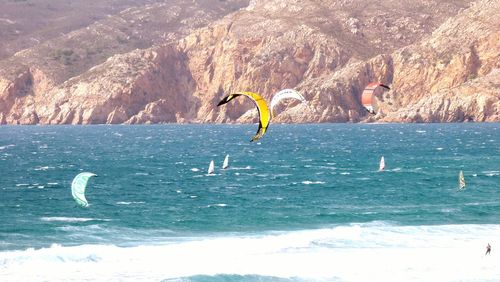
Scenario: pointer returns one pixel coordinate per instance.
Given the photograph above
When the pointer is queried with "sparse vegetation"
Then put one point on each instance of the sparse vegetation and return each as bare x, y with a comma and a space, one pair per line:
65, 55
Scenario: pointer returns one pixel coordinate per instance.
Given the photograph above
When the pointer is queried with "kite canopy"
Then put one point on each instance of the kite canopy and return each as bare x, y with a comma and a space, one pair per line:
368, 98
284, 94
260, 103
78, 188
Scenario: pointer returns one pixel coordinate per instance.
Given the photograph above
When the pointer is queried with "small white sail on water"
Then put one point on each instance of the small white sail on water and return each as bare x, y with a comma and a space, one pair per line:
211, 167
461, 180
226, 162
381, 166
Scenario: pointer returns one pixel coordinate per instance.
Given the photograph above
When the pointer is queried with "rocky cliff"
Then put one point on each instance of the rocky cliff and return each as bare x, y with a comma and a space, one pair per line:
441, 59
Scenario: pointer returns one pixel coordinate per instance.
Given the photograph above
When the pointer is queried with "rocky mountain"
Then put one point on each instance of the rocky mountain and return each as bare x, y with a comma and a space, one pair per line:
173, 61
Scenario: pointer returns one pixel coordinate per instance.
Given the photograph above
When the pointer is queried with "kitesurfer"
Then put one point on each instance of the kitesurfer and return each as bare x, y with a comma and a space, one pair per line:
488, 249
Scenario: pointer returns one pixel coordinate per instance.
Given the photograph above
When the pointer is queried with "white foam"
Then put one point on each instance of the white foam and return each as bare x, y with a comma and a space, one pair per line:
357, 252
312, 182
129, 203
70, 219
217, 205
241, 168
6, 146
43, 168
491, 173
195, 169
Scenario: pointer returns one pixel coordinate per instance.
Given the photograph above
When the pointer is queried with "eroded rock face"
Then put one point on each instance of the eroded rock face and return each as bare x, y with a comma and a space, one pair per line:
327, 50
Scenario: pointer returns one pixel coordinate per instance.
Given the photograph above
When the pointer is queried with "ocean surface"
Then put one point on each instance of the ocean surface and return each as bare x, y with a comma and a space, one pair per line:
304, 203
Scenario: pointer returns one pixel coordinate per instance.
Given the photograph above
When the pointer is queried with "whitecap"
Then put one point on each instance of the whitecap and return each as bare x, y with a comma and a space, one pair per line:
216, 205
43, 168
491, 172
439, 149
195, 169
129, 203
449, 210
282, 174
7, 146
345, 173
68, 219
312, 182
240, 168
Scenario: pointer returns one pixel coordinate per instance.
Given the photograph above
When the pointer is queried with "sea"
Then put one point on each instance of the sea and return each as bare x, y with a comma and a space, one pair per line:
304, 203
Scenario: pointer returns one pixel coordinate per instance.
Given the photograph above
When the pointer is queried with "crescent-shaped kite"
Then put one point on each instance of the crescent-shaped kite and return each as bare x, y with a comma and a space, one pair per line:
78, 188
260, 103
284, 94
369, 94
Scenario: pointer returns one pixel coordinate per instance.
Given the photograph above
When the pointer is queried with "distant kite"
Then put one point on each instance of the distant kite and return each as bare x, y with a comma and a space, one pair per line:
260, 103
369, 96
284, 94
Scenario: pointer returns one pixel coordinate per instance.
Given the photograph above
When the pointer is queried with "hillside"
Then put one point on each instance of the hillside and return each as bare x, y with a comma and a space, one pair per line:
441, 59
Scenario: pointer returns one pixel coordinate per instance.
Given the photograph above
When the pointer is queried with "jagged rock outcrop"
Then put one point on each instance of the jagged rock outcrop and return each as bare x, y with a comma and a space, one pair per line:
453, 75
440, 59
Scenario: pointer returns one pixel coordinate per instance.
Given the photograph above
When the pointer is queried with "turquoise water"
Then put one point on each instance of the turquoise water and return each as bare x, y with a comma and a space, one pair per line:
152, 190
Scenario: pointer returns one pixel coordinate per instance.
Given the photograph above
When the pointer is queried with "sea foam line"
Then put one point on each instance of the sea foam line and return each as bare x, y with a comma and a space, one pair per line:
383, 252
70, 219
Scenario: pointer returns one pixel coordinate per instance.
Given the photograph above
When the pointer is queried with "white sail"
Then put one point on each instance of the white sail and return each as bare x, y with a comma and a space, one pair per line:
382, 164
226, 162
461, 180
211, 167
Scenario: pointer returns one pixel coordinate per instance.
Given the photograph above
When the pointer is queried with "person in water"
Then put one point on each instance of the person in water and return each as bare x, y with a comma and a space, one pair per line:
488, 249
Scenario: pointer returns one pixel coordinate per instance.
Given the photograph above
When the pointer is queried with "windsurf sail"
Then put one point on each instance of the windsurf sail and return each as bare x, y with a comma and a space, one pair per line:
78, 187
225, 164
381, 166
461, 180
211, 167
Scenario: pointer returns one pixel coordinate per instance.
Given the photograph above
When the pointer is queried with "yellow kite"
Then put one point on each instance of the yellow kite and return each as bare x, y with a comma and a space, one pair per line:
264, 113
